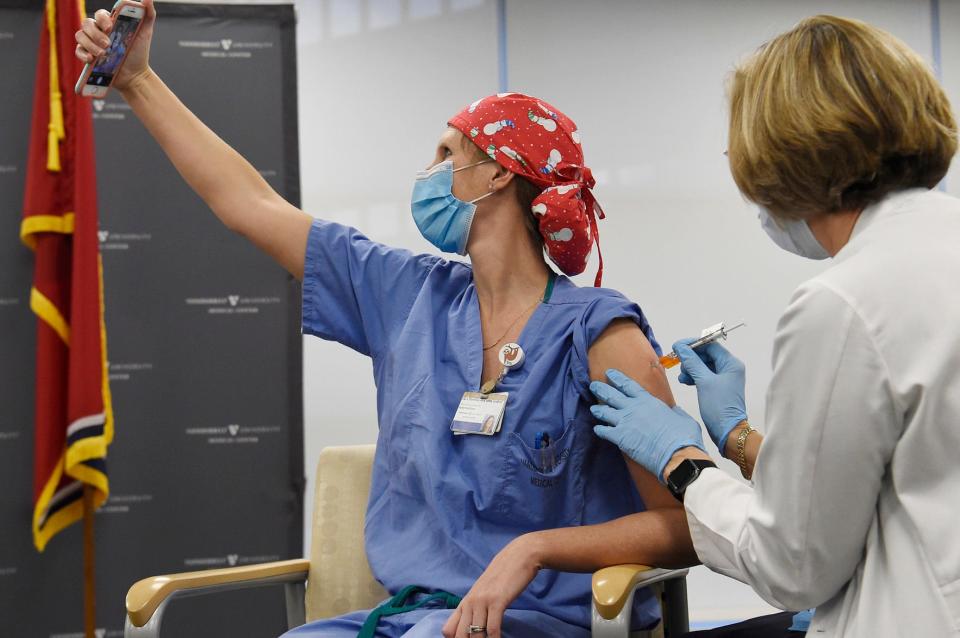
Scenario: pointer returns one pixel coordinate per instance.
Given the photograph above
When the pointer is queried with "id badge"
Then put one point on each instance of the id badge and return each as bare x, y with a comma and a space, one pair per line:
479, 413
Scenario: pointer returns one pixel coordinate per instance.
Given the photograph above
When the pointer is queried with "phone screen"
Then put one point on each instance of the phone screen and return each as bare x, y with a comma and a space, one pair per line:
120, 40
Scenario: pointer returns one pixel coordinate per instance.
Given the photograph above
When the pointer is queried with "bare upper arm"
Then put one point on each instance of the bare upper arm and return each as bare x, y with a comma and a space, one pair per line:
280, 230
624, 346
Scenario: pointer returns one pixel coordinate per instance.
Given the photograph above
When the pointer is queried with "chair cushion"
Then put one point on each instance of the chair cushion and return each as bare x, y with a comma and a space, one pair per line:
340, 579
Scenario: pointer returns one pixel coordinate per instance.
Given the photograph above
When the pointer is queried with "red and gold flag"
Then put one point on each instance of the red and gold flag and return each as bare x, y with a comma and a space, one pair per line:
74, 420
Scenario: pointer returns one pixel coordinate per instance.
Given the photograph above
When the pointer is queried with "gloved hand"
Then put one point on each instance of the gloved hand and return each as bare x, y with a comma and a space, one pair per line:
645, 428
720, 379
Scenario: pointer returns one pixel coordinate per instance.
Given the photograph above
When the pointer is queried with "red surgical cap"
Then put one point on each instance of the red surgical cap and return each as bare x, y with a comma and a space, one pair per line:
533, 139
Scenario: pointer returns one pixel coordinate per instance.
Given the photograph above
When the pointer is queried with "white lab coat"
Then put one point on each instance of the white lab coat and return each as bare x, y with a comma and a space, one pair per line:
855, 504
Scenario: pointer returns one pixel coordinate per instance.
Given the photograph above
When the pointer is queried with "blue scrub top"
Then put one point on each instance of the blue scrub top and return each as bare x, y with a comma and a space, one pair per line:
442, 506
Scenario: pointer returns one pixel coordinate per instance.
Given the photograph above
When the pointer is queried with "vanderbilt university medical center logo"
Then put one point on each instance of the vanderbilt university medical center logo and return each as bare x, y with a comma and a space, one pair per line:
125, 503
110, 110
120, 241
233, 433
125, 371
225, 47
233, 304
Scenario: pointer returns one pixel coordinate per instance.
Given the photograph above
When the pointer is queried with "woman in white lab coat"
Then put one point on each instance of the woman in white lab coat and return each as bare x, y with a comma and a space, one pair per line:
840, 133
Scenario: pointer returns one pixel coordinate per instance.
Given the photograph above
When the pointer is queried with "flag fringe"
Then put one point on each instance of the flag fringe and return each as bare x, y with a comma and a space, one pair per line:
44, 530
56, 131
104, 361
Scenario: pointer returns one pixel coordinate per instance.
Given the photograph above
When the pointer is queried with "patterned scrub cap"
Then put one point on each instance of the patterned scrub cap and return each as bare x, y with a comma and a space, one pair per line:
531, 138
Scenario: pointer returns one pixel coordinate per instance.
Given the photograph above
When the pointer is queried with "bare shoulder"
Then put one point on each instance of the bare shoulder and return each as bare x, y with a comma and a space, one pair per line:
622, 345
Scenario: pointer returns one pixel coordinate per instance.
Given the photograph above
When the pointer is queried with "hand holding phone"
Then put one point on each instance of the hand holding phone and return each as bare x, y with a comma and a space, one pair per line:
115, 46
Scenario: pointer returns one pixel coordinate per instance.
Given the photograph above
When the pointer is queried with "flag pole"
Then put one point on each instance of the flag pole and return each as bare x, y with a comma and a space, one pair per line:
89, 579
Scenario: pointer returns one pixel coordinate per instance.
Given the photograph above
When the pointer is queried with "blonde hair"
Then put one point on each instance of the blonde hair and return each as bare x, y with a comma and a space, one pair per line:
833, 115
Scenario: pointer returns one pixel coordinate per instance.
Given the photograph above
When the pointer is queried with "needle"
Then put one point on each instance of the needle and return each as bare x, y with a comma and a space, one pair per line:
720, 332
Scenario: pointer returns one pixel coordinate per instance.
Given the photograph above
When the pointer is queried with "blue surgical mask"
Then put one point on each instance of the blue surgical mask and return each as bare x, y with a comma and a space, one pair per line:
443, 219
793, 235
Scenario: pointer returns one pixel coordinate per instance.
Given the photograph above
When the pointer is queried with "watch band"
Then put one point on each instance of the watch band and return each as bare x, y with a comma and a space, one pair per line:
685, 474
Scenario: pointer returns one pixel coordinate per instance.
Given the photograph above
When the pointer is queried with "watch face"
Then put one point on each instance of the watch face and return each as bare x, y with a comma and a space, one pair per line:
682, 475
685, 474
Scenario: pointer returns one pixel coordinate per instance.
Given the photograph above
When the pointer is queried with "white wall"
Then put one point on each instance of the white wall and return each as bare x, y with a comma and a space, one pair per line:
950, 72
645, 83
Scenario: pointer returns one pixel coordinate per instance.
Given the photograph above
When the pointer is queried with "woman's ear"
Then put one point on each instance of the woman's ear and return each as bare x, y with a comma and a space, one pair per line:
501, 179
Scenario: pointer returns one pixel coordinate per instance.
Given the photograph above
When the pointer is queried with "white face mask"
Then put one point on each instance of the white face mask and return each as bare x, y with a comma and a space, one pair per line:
793, 235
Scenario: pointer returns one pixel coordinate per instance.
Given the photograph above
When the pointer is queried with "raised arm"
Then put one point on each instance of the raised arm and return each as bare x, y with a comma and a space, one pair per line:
231, 187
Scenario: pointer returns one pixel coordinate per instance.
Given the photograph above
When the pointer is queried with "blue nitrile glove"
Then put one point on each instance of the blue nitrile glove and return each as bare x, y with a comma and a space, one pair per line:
645, 428
720, 379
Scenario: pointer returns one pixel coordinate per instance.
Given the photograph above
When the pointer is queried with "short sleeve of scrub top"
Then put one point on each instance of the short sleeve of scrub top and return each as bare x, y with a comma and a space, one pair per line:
357, 291
596, 318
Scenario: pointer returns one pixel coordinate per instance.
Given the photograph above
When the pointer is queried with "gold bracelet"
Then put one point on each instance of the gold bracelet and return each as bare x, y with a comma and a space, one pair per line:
741, 448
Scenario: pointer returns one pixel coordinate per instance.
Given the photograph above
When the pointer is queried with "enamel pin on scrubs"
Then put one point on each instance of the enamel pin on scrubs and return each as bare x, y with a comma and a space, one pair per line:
511, 358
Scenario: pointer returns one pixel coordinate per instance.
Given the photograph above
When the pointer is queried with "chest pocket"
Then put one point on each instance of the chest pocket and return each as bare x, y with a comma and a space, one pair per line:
543, 488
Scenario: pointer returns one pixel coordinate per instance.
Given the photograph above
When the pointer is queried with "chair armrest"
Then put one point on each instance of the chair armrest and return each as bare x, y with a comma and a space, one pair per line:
146, 595
612, 586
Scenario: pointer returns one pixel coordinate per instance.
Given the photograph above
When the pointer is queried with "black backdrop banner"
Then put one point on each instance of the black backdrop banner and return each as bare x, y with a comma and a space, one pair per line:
206, 469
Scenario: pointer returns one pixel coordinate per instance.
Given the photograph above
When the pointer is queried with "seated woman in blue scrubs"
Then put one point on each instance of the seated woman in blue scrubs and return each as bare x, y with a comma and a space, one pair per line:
500, 519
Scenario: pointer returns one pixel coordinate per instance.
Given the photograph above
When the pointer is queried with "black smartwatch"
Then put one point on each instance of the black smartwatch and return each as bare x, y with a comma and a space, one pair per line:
685, 474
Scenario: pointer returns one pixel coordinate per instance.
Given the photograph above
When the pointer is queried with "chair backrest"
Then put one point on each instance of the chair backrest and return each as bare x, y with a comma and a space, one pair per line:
340, 580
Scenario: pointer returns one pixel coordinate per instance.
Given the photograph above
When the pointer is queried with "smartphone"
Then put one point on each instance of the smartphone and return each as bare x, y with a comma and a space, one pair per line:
95, 80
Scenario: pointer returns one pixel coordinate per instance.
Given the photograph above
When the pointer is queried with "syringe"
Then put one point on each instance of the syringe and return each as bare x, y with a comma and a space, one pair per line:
709, 335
